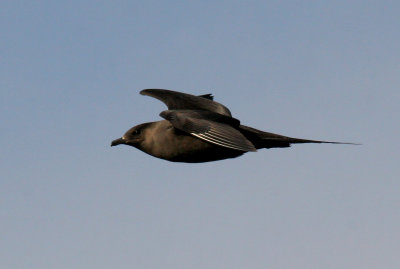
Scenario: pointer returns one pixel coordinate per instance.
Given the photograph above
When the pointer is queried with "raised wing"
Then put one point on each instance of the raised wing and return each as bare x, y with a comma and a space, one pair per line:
199, 124
178, 100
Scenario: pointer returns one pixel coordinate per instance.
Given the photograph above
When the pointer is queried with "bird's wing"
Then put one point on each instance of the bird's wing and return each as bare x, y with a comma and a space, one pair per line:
216, 132
178, 100
207, 96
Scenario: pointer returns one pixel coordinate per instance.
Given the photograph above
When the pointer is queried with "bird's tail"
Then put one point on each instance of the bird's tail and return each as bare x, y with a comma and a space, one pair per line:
262, 139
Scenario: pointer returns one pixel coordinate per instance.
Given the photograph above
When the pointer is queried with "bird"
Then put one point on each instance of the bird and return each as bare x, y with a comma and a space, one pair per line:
197, 129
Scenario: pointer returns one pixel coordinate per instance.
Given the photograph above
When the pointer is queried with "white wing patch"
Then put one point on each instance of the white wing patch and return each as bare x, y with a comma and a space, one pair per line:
225, 140
199, 124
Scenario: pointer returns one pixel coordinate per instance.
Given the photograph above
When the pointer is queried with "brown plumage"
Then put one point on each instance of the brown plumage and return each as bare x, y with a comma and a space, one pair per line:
198, 129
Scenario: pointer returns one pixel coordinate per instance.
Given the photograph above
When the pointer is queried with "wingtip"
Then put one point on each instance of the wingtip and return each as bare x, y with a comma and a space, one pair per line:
166, 114
144, 92
153, 92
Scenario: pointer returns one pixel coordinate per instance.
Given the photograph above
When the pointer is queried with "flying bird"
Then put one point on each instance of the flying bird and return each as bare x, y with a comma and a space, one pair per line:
197, 129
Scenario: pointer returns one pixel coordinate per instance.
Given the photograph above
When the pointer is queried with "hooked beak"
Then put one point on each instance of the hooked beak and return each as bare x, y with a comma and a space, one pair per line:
118, 142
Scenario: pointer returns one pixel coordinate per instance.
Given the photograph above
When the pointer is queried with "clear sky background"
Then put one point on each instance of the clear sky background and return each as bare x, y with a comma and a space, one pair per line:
70, 73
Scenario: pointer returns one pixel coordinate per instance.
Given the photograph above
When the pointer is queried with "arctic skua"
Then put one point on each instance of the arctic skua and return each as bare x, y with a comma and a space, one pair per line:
197, 129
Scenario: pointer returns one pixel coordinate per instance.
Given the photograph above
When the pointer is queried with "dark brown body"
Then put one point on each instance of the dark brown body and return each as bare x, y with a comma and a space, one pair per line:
166, 142
197, 129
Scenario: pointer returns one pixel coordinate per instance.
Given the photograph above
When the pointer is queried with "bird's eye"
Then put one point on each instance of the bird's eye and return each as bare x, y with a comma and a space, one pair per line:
136, 132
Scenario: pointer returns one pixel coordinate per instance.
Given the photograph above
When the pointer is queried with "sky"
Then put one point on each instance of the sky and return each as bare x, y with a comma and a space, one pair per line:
70, 76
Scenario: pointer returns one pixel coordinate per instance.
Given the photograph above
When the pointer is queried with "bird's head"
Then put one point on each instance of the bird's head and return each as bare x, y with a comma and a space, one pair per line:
133, 137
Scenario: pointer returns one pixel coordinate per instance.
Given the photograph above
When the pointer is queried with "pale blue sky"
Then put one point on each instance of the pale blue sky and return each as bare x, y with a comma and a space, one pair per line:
70, 73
